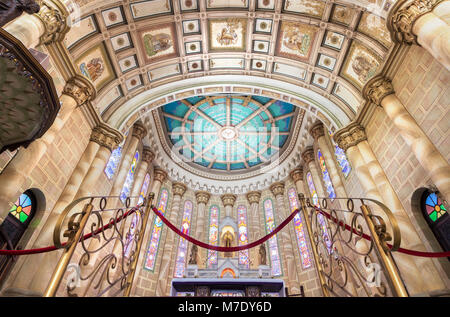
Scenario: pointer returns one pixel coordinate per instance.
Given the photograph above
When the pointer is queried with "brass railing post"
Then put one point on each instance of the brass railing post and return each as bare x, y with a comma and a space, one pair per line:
68, 252
384, 255
133, 265
319, 267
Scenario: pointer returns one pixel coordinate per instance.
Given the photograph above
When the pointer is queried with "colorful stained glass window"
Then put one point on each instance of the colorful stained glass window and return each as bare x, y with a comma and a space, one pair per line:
144, 189
130, 178
22, 208
243, 235
180, 264
323, 228
156, 232
213, 234
299, 229
312, 189
340, 157
130, 236
326, 176
273, 242
434, 207
113, 162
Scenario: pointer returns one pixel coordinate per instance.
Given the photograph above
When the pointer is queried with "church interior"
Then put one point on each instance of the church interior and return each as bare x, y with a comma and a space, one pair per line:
224, 148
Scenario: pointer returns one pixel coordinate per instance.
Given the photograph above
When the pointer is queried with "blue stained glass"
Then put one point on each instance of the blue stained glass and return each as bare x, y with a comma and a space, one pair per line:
326, 176
130, 178
113, 162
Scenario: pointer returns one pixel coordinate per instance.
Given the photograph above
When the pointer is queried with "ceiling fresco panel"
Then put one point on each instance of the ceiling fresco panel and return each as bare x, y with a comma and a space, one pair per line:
225, 4
342, 15
95, 65
113, 17
158, 42
80, 31
313, 8
265, 4
289, 70
227, 34
144, 9
164, 71
296, 40
333, 40
121, 42
360, 64
375, 27
189, 5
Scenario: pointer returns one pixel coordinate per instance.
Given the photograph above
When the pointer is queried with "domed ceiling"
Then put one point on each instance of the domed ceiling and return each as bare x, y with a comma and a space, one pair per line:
228, 133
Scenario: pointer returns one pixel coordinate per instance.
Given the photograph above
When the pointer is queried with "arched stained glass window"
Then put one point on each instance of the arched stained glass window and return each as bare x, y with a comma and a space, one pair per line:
144, 189
434, 207
243, 235
299, 230
312, 189
131, 234
130, 178
114, 159
323, 228
326, 176
213, 235
341, 158
156, 232
273, 242
180, 264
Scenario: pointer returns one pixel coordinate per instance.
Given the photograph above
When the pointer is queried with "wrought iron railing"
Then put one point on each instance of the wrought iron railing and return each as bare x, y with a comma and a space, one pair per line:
101, 238
350, 246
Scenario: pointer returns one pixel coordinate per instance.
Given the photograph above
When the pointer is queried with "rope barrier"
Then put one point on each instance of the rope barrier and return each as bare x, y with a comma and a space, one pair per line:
85, 237
224, 249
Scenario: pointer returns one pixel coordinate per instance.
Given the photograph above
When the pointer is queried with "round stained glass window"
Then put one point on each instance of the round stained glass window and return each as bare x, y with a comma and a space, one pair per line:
434, 207
22, 208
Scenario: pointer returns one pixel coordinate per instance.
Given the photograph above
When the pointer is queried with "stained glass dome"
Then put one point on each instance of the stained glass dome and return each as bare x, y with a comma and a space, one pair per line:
228, 133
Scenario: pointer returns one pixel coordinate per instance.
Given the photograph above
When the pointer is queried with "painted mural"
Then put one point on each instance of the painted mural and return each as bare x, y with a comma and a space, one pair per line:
296, 40
158, 42
227, 34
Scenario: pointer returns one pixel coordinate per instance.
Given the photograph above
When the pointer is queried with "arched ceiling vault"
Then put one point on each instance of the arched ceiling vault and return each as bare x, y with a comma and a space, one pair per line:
316, 55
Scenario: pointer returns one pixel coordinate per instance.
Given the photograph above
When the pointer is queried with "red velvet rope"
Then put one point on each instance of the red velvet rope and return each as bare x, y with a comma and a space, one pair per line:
225, 249
85, 237
402, 250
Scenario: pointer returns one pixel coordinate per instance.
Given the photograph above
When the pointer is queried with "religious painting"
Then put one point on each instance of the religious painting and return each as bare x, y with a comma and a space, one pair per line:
296, 40
95, 65
360, 65
227, 34
313, 8
158, 42
342, 15
374, 26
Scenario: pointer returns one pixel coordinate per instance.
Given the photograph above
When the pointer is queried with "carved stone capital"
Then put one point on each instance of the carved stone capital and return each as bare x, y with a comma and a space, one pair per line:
160, 175
147, 155
308, 155
202, 197
139, 130
54, 19
403, 15
297, 174
106, 136
228, 199
377, 88
179, 189
80, 89
277, 188
254, 197
350, 136
317, 130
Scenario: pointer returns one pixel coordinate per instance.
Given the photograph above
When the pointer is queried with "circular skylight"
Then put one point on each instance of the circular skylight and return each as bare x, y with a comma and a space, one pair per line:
228, 133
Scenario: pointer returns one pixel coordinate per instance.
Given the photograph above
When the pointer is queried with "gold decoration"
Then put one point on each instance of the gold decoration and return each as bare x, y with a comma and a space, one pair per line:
179, 189
202, 197
254, 197
228, 199
80, 89
350, 136
277, 188
317, 130
377, 88
297, 174
106, 136
308, 155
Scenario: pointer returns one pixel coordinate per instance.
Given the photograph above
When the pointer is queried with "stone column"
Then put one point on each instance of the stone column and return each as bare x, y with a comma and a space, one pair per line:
254, 227
46, 26
159, 176
372, 177
290, 266
442, 10
202, 198
308, 157
37, 274
137, 134
380, 91
228, 201
178, 190
415, 22
147, 158
318, 133
77, 91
